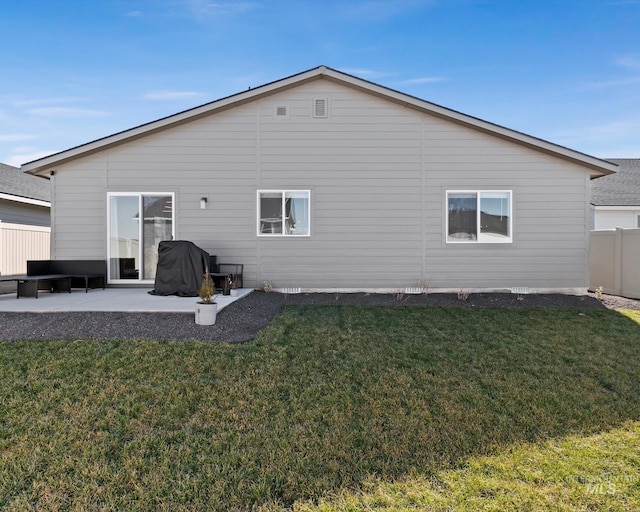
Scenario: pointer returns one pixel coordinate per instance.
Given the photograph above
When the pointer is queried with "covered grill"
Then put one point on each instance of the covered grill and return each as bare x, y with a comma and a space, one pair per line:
181, 266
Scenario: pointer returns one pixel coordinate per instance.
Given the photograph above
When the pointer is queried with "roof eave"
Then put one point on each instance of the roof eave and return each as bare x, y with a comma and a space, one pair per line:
25, 200
45, 163
597, 166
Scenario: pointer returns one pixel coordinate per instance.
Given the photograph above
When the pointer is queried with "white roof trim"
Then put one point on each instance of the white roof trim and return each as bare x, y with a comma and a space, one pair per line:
618, 208
600, 167
26, 200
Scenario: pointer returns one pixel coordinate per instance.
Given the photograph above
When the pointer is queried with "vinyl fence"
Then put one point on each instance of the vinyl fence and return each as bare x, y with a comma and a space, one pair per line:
19, 243
615, 262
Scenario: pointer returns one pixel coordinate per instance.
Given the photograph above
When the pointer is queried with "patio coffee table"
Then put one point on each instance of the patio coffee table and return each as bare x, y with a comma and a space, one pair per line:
28, 285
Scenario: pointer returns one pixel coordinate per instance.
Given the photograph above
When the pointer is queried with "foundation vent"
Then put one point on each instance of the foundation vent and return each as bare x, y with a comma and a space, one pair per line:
520, 290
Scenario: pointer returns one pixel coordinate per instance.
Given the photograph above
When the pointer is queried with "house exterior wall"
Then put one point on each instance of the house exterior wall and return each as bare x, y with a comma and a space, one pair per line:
22, 213
550, 213
79, 209
616, 217
378, 173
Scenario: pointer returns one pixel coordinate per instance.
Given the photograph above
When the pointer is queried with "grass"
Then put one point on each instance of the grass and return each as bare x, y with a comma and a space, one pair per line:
333, 408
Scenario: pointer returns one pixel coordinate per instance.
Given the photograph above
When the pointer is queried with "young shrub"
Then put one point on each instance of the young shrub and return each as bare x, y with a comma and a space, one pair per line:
207, 289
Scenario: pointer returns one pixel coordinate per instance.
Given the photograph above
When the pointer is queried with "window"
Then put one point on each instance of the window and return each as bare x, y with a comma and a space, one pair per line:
283, 213
479, 216
137, 223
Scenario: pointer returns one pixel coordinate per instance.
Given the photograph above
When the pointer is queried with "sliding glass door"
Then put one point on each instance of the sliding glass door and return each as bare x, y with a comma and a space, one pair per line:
137, 223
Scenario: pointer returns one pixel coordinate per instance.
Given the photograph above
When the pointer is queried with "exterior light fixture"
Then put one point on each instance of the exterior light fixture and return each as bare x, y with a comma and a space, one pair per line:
203, 203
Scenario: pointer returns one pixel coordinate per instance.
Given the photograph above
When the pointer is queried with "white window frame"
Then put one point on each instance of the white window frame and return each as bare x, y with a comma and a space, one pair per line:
283, 192
480, 238
140, 195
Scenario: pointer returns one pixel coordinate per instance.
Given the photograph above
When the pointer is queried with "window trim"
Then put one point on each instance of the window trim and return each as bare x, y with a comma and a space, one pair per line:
480, 239
283, 192
140, 196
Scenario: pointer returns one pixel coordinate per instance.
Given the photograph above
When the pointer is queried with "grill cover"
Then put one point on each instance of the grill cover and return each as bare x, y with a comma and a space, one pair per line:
181, 266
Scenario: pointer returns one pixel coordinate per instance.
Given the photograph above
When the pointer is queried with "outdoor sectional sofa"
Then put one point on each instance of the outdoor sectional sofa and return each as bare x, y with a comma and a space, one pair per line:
59, 276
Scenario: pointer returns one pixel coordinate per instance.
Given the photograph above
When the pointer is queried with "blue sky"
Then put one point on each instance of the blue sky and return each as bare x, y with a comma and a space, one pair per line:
567, 71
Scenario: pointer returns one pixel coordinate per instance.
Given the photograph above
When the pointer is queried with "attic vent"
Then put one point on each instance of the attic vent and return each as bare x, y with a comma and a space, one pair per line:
320, 107
281, 111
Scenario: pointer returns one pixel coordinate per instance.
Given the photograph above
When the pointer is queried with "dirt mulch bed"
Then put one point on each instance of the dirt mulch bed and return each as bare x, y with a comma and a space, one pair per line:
243, 320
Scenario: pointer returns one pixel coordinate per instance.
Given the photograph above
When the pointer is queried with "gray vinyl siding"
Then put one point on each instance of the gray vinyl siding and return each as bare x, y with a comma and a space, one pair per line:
378, 173
550, 215
22, 213
363, 167
78, 211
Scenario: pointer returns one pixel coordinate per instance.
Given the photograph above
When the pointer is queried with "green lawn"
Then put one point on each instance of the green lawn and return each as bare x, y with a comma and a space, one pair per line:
333, 408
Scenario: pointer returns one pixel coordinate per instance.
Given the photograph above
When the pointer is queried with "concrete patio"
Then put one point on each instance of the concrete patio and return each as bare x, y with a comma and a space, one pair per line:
134, 300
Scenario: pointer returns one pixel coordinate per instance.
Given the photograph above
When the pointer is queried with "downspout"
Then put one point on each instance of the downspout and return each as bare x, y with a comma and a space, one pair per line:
52, 223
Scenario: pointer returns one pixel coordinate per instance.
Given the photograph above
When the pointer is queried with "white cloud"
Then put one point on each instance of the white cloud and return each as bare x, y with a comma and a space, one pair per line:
134, 14
611, 139
48, 101
621, 151
372, 73
65, 112
630, 64
610, 83
612, 130
380, 10
359, 71
368, 73
15, 137
171, 95
21, 158
629, 61
205, 10
422, 80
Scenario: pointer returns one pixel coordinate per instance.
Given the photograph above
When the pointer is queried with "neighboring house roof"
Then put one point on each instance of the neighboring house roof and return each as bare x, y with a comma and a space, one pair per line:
621, 188
15, 185
598, 167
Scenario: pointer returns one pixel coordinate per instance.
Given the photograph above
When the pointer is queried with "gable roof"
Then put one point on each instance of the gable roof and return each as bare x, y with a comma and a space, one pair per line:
598, 167
18, 186
621, 188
